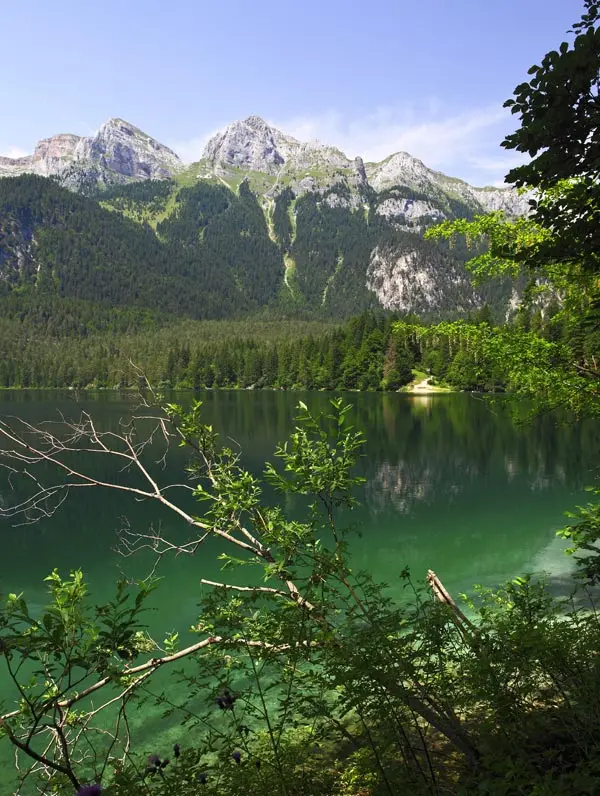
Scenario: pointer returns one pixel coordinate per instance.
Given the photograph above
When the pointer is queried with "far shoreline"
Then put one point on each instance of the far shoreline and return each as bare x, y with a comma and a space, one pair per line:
406, 390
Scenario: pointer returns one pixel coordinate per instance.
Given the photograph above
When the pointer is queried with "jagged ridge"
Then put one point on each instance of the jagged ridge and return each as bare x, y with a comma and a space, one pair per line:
117, 153
252, 145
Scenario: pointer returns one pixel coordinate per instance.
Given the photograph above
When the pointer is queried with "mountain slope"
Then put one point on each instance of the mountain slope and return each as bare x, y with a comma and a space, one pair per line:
262, 220
56, 242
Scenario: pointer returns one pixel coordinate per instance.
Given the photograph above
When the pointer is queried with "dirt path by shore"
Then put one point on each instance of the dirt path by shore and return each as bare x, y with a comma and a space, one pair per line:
424, 387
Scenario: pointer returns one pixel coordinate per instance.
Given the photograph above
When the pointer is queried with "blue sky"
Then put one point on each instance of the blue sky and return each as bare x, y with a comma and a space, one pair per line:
370, 76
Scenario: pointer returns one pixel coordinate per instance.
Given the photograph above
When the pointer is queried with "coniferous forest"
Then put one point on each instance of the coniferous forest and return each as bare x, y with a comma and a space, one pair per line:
51, 342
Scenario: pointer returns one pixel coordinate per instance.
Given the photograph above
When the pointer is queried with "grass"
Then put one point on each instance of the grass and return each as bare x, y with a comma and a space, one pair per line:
141, 214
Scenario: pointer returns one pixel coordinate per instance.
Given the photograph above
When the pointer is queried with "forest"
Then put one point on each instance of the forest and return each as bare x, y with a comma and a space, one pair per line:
59, 343
346, 691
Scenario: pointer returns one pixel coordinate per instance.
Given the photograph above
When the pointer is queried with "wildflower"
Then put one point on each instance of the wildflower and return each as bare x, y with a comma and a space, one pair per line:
202, 778
257, 764
176, 750
237, 756
226, 700
165, 762
90, 790
153, 765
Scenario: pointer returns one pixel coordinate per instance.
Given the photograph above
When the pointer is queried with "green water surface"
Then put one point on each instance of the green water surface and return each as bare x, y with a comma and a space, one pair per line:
452, 484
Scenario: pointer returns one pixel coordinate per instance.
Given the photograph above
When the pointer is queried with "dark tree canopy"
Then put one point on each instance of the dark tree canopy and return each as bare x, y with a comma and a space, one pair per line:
559, 110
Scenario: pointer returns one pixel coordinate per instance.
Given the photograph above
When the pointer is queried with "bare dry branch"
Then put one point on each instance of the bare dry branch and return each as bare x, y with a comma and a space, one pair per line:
155, 663
44, 760
28, 445
255, 589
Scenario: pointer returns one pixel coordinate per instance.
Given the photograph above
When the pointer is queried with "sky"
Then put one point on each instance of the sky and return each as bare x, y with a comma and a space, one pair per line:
372, 77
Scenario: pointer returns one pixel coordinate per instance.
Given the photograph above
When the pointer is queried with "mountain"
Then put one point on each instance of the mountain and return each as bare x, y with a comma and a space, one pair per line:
261, 221
118, 153
356, 228
252, 145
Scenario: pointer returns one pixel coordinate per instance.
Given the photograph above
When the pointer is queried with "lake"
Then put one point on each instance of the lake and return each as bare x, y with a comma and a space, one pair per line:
452, 484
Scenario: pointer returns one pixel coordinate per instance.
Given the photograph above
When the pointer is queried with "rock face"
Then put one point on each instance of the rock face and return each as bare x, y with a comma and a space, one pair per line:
407, 282
408, 214
361, 174
117, 153
253, 145
54, 154
120, 148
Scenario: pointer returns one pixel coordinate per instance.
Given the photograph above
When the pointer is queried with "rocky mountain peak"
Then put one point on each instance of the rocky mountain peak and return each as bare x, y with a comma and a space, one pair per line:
254, 145
258, 123
60, 145
119, 152
250, 144
117, 123
123, 150
401, 168
53, 154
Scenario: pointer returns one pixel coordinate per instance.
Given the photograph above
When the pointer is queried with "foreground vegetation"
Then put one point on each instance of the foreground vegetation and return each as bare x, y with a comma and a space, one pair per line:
305, 677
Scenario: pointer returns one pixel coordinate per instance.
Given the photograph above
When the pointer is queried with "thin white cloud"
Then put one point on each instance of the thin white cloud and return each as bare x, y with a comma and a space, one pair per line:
502, 162
13, 152
463, 145
190, 151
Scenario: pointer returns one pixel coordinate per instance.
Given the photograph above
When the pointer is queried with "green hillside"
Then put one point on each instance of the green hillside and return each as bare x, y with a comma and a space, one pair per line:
199, 262
208, 249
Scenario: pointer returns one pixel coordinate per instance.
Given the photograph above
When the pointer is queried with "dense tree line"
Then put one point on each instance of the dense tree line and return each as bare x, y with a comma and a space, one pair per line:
51, 342
86, 348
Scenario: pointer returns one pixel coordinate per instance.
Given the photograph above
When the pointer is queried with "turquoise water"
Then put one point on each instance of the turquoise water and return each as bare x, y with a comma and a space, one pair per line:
452, 484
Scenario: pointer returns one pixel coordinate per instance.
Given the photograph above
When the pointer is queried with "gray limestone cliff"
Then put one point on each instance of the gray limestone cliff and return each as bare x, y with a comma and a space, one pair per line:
117, 153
